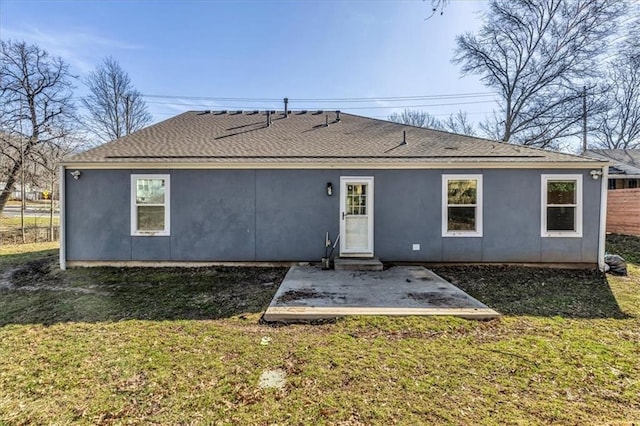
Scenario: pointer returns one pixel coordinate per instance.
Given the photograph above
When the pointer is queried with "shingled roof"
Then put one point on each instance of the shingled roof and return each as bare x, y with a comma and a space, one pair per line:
624, 161
320, 137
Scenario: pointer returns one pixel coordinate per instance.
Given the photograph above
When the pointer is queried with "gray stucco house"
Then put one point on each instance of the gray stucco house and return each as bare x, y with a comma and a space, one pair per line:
212, 187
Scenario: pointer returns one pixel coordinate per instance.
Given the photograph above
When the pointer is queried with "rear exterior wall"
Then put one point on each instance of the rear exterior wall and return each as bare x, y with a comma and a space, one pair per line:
283, 215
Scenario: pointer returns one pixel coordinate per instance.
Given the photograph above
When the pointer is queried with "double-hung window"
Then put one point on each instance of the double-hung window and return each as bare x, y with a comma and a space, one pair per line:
461, 205
150, 205
561, 206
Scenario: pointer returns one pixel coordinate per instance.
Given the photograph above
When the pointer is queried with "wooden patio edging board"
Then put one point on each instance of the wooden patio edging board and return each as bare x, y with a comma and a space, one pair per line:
623, 211
308, 313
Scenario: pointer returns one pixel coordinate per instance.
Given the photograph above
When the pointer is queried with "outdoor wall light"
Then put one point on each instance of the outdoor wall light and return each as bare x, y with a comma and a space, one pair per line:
76, 174
595, 174
329, 189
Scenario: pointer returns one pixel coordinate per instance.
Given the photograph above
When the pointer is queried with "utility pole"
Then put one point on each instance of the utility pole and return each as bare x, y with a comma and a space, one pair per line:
127, 122
584, 118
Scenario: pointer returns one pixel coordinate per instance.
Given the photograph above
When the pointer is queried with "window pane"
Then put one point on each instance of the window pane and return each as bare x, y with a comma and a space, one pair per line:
561, 218
356, 199
150, 191
462, 191
150, 218
561, 192
461, 219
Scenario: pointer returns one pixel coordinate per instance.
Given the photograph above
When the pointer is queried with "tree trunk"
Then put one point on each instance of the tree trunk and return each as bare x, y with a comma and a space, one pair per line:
22, 207
8, 187
51, 206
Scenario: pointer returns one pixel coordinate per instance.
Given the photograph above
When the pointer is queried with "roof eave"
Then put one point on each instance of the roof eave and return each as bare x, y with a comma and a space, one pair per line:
623, 176
336, 165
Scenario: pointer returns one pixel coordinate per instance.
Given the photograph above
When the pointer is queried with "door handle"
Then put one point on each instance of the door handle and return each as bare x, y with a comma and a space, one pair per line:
342, 215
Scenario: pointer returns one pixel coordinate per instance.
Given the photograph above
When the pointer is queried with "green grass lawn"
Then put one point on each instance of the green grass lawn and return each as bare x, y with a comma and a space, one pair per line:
183, 346
41, 221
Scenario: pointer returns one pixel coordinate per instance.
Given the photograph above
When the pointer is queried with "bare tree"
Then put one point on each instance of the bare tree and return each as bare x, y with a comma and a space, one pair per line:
456, 123
459, 123
114, 107
35, 105
618, 125
45, 160
438, 6
537, 55
417, 118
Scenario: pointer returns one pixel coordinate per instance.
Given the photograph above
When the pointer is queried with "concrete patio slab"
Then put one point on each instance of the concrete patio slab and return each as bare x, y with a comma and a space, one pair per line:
310, 293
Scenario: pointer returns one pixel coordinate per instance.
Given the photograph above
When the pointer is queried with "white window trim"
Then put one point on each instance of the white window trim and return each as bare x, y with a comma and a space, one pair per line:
577, 233
167, 206
445, 205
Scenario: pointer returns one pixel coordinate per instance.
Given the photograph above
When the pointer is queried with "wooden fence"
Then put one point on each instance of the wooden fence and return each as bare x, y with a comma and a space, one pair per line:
623, 211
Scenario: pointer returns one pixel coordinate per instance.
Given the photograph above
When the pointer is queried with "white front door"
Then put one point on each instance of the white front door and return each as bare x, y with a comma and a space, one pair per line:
356, 216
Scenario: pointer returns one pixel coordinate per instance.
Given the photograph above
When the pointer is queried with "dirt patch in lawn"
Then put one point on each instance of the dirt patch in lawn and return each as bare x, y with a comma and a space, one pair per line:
519, 290
37, 291
38, 274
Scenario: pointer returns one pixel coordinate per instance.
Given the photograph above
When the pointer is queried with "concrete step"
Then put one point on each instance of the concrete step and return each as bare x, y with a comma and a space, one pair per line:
357, 264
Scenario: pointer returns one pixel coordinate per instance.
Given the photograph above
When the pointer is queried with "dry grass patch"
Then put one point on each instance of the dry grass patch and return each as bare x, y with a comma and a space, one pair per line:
41, 221
143, 359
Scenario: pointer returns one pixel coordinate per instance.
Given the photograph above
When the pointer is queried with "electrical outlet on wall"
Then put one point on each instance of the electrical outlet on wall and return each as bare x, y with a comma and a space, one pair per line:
416, 247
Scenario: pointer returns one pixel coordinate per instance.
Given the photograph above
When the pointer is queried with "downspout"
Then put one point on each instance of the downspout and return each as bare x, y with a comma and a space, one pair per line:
62, 233
604, 186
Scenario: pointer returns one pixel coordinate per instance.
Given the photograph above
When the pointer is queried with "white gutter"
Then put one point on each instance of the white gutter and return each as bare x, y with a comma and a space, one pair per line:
604, 180
62, 233
355, 164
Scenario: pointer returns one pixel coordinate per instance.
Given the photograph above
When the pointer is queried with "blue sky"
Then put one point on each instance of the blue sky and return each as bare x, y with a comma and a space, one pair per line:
263, 49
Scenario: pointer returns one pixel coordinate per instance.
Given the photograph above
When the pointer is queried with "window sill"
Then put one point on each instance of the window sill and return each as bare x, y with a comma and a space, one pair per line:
151, 234
461, 234
570, 234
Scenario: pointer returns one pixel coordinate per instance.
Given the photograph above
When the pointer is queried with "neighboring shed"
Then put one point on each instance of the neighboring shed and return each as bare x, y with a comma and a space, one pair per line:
210, 187
624, 171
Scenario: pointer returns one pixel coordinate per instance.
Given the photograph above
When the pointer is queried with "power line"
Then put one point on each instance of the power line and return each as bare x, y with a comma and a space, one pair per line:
327, 100
244, 107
